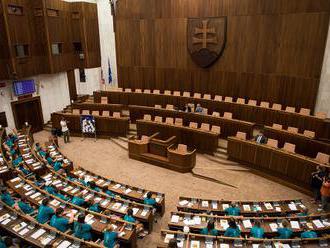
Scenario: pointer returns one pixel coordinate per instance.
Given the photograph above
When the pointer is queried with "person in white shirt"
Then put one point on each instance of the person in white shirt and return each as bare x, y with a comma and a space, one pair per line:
65, 130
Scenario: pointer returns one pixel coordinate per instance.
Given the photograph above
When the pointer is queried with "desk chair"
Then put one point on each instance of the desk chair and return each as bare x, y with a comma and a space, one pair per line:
138, 91
205, 127
207, 96
147, 91
76, 111
147, 117
178, 122
240, 100
95, 113
277, 126
305, 111
292, 130
197, 95
106, 113
186, 94
158, 106
205, 111
104, 100
145, 138
176, 93
309, 134
216, 114
252, 102
193, 125
321, 115
241, 135
277, 106
264, 104
167, 92
157, 92
288, 147
116, 114
218, 98
290, 109
228, 115
128, 90
228, 99
158, 119
216, 129
169, 120
182, 148
272, 143
169, 107
120, 89
322, 158
85, 112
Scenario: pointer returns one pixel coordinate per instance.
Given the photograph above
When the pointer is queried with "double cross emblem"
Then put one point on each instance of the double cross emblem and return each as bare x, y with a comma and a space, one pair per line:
208, 35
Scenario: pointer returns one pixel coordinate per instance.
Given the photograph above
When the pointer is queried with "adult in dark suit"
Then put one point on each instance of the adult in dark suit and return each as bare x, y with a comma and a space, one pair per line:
260, 138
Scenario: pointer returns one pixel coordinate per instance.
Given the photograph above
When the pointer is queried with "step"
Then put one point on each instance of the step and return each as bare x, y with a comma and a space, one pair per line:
120, 143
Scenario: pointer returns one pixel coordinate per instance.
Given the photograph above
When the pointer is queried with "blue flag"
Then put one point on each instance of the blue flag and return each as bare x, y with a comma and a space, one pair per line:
110, 73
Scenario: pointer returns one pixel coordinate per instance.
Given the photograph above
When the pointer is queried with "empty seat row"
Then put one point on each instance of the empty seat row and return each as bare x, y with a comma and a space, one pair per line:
96, 113
179, 122
307, 133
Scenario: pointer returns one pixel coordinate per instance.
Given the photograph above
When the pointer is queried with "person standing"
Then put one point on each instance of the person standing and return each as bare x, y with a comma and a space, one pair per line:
65, 130
325, 193
317, 181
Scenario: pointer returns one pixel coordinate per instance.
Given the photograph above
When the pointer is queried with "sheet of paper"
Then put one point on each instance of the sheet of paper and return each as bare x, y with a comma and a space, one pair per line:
246, 207
24, 231
175, 218
183, 202
295, 224
293, 206
318, 223
135, 211
247, 224
224, 245
273, 227
205, 204
195, 244
144, 212
225, 206
268, 206
64, 244
38, 233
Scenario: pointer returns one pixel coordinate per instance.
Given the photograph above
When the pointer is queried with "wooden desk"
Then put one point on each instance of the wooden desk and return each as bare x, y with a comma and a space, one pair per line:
248, 208
255, 114
98, 107
201, 140
229, 127
292, 169
105, 126
5, 172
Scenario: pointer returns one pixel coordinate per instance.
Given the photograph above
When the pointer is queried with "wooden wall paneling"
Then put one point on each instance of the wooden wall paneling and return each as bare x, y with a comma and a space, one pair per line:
4, 53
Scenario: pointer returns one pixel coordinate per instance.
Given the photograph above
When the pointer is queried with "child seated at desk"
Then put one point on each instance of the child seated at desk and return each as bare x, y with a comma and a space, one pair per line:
308, 234
16, 160
78, 200
25, 207
257, 231
40, 151
233, 210
45, 212
82, 230
285, 232
210, 229
49, 159
95, 208
110, 236
149, 200
6, 197
59, 222
92, 185
106, 190
233, 230
23, 169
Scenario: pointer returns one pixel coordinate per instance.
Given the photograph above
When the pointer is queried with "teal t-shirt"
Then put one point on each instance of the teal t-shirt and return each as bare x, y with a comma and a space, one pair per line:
232, 232
50, 190
17, 161
95, 208
110, 193
49, 160
149, 201
233, 211
284, 233
78, 201
82, 231
62, 197
129, 218
257, 232
6, 198
2, 244
60, 223
25, 207
110, 239
44, 214
308, 235
57, 166
213, 232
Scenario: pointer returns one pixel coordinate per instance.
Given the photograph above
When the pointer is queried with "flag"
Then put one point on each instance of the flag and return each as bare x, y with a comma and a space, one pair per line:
102, 77
110, 73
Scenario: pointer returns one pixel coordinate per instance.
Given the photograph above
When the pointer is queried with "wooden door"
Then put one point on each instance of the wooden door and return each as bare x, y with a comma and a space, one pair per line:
72, 85
28, 110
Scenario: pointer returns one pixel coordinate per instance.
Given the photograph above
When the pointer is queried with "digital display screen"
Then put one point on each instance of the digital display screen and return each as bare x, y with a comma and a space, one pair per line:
24, 87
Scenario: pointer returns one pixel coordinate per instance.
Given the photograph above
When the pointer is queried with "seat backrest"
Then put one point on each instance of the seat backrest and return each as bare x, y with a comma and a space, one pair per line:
277, 126
289, 147
228, 115
105, 113
216, 114
216, 129
252, 102
217, 98
138, 91
176, 93
290, 109
292, 130
321, 115
147, 91
205, 111
277, 106
272, 143
169, 120
158, 106
147, 117
95, 113
156, 92
305, 111
309, 133
186, 94
120, 89
169, 107
193, 125
128, 90
322, 158
228, 99
116, 114
145, 138
76, 111
182, 148
264, 104
158, 119
85, 112
197, 95
178, 121
104, 100
205, 126
167, 92
207, 96
240, 100
241, 135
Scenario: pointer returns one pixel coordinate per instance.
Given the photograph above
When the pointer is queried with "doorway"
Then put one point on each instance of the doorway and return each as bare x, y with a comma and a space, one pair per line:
72, 85
28, 110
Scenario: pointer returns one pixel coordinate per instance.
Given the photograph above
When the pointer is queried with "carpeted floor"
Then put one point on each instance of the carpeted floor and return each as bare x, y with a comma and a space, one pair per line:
110, 159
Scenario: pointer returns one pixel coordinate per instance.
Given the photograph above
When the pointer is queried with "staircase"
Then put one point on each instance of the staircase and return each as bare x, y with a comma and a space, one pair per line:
48, 126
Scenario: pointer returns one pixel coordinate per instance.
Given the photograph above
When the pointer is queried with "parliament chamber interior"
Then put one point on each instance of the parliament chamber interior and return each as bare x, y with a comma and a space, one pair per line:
165, 123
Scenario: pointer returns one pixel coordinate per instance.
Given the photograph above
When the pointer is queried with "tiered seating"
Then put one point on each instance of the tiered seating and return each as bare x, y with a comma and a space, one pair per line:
4, 168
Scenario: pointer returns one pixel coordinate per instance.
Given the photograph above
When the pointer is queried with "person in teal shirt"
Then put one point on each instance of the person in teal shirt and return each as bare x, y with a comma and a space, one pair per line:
6, 198
57, 165
82, 181
257, 231
95, 208
2, 243
50, 189
233, 230
210, 229
45, 213
110, 236
61, 223
17, 160
303, 212
49, 159
233, 210
106, 190
285, 232
82, 230
40, 150
92, 185
129, 216
149, 200
23, 169
308, 234
76, 200
25, 207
